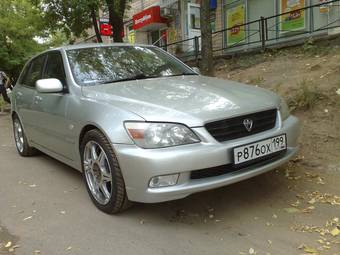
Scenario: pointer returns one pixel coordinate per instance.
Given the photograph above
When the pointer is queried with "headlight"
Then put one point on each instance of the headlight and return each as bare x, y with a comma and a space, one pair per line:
284, 109
151, 135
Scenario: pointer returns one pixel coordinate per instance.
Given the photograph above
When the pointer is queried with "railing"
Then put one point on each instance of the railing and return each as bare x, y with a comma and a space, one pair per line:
262, 33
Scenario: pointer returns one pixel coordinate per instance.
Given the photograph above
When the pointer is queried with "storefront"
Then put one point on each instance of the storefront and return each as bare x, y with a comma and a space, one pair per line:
296, 24
148, 27
168, 21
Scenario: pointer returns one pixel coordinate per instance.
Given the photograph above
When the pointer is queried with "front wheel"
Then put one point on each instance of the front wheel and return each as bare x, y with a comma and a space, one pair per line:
21, 142
102, 175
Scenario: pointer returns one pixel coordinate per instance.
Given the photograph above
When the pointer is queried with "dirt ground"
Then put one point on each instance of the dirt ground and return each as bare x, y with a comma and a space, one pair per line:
301, 75
295, 209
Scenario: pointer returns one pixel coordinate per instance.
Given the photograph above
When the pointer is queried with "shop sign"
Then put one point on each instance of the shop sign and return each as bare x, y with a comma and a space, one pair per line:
131, 37
235, 19
324, 8
172, 35
295, 20
105, 27
147, 17
213, 4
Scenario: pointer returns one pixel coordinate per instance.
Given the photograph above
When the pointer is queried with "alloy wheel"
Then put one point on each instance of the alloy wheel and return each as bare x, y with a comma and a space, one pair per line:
18, 135
97, 172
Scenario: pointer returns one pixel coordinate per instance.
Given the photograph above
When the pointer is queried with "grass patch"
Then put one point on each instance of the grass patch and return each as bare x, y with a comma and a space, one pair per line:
2, 104
306, 96
256, 80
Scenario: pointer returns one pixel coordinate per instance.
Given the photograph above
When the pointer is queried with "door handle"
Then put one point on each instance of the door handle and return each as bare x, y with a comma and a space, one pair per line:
19, 94
37, 99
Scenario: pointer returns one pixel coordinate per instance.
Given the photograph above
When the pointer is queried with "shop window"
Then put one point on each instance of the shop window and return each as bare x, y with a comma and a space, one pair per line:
195, 22
235, 17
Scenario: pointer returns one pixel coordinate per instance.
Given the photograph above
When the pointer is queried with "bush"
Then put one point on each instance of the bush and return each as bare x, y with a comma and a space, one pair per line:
306, 96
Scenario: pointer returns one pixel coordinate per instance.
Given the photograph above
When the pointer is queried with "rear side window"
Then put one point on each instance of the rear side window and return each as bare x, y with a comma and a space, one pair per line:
24, 73
55, 67
34, 72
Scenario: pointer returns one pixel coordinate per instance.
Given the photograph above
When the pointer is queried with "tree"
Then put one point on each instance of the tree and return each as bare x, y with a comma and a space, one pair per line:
21, 26
73, 17
207, 67
116, 10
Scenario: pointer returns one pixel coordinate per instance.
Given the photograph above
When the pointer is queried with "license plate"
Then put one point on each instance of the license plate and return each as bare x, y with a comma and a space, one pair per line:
259, 149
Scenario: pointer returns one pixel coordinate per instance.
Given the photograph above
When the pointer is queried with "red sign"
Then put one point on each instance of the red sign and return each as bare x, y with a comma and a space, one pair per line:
106, 28
149, 16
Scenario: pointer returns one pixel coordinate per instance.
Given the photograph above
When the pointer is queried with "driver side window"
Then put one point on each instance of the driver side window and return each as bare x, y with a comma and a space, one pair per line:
55, 68
34, 72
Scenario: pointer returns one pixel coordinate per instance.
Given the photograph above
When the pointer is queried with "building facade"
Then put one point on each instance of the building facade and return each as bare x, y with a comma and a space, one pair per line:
236, 24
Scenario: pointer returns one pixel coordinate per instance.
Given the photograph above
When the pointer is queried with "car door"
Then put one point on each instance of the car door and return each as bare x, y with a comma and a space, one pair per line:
50, 111
24, 95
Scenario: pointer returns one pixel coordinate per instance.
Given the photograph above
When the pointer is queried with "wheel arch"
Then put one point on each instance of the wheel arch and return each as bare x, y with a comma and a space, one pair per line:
88, 127
14, 113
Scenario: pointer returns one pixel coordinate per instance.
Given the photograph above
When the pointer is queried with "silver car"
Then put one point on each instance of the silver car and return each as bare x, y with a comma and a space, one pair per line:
143, 126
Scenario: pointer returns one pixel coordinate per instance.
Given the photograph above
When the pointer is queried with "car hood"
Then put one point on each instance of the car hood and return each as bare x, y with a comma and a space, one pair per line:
192, 100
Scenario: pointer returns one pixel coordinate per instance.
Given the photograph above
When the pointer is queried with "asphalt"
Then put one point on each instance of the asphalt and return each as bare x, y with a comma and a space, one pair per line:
44, 209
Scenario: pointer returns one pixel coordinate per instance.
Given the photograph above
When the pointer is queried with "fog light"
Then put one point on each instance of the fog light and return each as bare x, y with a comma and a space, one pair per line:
163, 181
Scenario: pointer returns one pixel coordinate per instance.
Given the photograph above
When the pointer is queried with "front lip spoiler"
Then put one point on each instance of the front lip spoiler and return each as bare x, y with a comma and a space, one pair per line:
230, 168
193, 186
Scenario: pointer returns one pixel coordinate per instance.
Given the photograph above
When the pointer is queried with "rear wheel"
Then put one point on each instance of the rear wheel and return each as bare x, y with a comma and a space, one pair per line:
21, 140
102, 175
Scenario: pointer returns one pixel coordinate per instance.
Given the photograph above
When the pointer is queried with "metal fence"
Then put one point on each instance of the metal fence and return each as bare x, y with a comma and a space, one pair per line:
263, 33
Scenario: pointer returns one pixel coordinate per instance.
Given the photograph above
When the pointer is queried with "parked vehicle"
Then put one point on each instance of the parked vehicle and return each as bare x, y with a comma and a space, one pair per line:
143, 126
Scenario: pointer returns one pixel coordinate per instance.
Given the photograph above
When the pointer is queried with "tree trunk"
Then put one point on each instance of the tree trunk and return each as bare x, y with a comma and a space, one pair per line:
95, 25
207, 64
117, 28
116, 13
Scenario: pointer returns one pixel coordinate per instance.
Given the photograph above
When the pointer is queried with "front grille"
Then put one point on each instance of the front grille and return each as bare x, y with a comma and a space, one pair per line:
228, 129
230, 168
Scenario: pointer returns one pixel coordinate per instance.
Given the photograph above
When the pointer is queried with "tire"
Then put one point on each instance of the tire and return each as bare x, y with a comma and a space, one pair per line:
20, 139
101, 173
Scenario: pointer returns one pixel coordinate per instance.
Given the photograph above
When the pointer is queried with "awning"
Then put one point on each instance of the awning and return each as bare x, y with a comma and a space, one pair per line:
149, 19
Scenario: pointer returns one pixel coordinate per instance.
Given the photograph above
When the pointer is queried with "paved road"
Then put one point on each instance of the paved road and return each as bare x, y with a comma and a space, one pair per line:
44, 206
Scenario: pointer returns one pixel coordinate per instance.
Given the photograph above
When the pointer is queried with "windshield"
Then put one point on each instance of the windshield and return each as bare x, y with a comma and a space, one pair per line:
100, 65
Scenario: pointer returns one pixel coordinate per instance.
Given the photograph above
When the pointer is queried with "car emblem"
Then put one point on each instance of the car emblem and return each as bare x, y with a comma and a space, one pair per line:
248, 124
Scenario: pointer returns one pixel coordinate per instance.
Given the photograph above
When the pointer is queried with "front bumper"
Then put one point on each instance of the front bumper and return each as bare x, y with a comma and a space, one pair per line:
140, 165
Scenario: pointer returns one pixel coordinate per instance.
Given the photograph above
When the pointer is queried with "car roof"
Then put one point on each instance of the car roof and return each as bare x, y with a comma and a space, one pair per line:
96, 45
86, 46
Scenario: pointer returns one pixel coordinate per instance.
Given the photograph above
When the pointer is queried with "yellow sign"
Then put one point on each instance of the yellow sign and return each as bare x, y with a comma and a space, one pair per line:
295, 19
324, 8
236, 17
131, 36
172, 35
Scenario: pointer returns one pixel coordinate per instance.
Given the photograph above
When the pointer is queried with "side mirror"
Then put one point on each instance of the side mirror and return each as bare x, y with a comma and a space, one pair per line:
196, 69
49, 85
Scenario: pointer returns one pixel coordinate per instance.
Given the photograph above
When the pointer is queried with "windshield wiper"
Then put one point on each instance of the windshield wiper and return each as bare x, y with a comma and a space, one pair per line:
180, 74
143, 76
136, 77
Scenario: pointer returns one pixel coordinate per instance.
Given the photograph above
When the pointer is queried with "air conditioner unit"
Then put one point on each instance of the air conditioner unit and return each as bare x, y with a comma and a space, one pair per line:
167, 12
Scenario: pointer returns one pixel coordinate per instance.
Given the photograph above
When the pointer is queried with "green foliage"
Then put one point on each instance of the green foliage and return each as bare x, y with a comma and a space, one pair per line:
72, 17
309, 46
258, 80
306, 97
56, 39
312, 47
20, 25
2, 104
